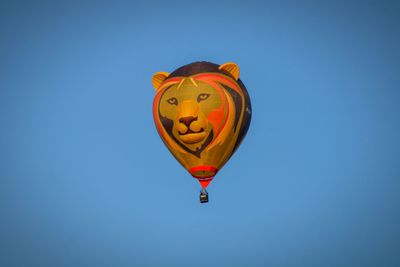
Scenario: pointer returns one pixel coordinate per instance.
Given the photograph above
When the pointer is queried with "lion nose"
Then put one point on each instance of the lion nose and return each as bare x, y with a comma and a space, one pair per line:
187, 120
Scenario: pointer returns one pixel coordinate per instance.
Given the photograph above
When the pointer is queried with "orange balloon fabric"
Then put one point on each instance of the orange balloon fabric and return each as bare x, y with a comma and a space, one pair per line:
202, 112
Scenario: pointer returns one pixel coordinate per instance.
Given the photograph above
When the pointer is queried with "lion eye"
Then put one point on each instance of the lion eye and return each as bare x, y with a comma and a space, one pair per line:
202, 97
173, 101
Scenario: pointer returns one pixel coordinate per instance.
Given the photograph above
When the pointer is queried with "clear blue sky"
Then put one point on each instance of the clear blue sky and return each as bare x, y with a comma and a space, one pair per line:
86, 181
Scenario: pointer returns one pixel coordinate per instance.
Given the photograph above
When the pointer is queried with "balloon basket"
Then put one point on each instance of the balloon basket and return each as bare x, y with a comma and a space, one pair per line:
203, 196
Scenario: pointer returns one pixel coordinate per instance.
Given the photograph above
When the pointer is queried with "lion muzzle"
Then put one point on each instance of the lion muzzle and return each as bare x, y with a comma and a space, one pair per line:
190, 124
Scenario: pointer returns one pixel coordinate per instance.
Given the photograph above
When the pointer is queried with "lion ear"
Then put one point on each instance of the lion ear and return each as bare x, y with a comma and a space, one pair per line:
158, 78
231, 68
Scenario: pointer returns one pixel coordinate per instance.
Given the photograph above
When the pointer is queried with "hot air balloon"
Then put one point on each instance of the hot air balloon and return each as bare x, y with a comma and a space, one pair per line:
202, 112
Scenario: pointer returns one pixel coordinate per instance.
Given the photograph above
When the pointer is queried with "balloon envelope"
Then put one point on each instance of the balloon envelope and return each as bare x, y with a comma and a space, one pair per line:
202, 112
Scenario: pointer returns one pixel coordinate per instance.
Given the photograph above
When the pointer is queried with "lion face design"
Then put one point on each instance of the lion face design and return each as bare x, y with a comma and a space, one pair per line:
192, 113
202, 112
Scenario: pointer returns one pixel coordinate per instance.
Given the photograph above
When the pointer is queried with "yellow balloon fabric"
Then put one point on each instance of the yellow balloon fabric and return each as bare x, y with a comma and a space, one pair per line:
202, 112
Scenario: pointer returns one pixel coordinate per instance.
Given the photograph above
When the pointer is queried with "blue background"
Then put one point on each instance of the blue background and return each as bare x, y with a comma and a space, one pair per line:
86, 181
